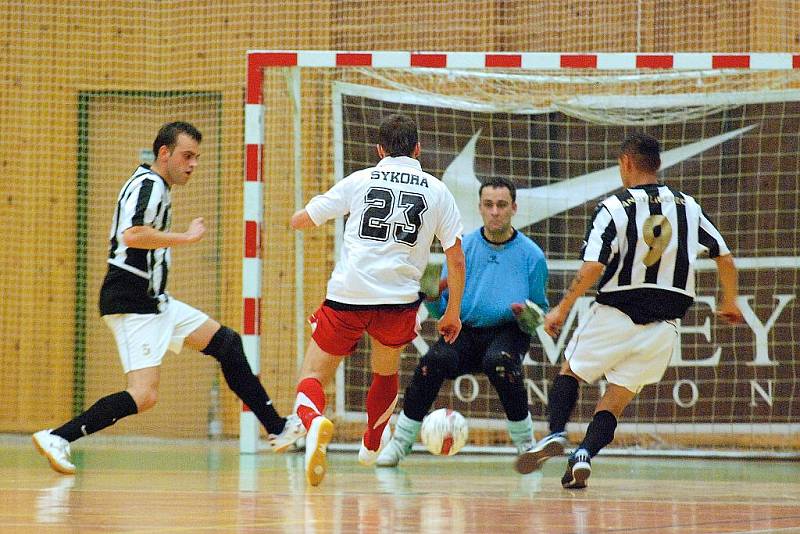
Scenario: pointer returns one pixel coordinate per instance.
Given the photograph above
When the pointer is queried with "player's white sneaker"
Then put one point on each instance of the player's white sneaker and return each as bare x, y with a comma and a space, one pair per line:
292, 431
547, 447
319, 435
368, 457
56, 450
391, 455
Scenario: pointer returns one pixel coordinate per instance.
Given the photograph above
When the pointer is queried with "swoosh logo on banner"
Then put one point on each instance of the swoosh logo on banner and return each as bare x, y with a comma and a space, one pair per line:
538, 203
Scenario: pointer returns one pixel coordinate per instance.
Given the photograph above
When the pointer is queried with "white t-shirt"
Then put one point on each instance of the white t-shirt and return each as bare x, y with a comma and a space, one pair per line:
395, 210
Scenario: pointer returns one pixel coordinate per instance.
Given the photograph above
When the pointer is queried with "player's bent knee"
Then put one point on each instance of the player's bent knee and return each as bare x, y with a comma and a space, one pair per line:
145, 399
148, 404
226, 347
502, 366
439, 360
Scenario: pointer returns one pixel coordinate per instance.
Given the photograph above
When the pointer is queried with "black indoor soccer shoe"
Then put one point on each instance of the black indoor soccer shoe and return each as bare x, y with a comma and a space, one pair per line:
579, 469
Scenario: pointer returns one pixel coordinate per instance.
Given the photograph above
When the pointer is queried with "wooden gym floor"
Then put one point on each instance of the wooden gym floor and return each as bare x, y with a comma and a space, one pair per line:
199, 487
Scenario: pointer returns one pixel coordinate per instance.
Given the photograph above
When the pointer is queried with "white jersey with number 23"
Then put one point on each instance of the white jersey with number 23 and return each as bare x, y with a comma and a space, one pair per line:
395, 210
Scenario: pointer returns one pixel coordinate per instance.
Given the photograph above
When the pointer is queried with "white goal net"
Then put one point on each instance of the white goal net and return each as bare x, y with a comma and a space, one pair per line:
730, 138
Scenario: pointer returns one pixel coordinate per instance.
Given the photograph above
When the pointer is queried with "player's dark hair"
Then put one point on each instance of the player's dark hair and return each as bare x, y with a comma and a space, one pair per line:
497, 181
168, 135
644, 149
398, 135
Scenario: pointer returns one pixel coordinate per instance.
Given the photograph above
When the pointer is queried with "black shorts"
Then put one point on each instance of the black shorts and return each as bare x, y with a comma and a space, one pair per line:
473, 344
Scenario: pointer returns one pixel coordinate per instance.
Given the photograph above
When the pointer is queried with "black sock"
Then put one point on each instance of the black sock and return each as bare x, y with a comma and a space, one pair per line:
561, 401
600, 432
103, 413
226, 347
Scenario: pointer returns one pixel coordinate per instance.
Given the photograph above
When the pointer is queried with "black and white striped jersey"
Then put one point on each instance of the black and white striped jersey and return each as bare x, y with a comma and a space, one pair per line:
137, 278
648, 237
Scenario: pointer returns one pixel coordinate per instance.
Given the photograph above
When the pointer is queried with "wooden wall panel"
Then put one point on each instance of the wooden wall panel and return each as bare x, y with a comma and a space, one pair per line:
52, 50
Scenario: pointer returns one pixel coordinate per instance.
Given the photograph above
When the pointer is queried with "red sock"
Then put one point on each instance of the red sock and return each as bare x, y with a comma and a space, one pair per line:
381, 400
310, 401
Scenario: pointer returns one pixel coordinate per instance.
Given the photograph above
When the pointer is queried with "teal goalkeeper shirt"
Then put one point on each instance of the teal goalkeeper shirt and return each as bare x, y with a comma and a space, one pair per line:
497, 276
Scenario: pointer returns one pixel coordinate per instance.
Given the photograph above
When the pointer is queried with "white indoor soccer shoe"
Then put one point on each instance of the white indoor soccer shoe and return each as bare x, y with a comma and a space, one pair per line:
319, 435
393, 453
292, 431
56, 450
368, 457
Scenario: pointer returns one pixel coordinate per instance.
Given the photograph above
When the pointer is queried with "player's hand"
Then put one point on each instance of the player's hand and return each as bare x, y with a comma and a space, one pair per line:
554, 320
449, 326
730, 312
196, 230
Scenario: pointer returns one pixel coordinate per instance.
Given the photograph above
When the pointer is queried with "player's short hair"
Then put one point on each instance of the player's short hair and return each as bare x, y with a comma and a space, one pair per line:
644, 149
168, 135
398, 135
497, 181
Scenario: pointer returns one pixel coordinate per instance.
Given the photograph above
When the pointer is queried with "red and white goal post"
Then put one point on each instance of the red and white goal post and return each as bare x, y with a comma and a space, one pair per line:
729, 126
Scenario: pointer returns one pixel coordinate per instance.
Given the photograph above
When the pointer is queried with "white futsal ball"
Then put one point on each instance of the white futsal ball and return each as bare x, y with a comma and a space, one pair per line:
444, 432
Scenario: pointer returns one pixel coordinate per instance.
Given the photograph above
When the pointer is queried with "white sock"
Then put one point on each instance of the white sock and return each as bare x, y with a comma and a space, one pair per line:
521, 432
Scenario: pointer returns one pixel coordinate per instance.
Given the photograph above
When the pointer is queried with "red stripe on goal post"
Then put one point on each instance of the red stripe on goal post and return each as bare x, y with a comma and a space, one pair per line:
253, 162
796, 62
257, 61
513, 61
730, 62
277, 59
353, 60
436, 61
252, 310
578, 61
255, 80
654, 62
252, 244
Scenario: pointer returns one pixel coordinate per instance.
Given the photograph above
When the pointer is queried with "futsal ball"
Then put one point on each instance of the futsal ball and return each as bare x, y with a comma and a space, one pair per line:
444, 432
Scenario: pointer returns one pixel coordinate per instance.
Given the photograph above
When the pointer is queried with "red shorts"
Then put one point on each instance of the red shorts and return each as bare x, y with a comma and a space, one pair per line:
337, 332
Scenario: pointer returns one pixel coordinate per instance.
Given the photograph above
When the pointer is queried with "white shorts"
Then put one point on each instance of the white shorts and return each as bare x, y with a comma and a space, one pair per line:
143, 339
628, 354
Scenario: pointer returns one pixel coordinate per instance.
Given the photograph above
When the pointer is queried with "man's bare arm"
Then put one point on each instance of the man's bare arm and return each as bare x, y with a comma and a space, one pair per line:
450, 323
585, 278
147, 237
728, 308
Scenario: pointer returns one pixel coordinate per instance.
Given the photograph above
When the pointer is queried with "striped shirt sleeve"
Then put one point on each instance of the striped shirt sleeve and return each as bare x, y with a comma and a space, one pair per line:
601, 238
141, 205
710, 239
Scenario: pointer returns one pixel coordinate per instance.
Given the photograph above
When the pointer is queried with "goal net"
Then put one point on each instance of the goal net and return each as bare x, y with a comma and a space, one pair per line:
730, 132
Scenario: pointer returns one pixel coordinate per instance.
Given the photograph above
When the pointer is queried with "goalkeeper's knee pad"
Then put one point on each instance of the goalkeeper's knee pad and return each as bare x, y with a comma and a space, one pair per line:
503, 367
440, 360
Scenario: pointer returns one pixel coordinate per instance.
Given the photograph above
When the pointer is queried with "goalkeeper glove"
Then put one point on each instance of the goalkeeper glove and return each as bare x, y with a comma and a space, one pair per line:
529, 316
